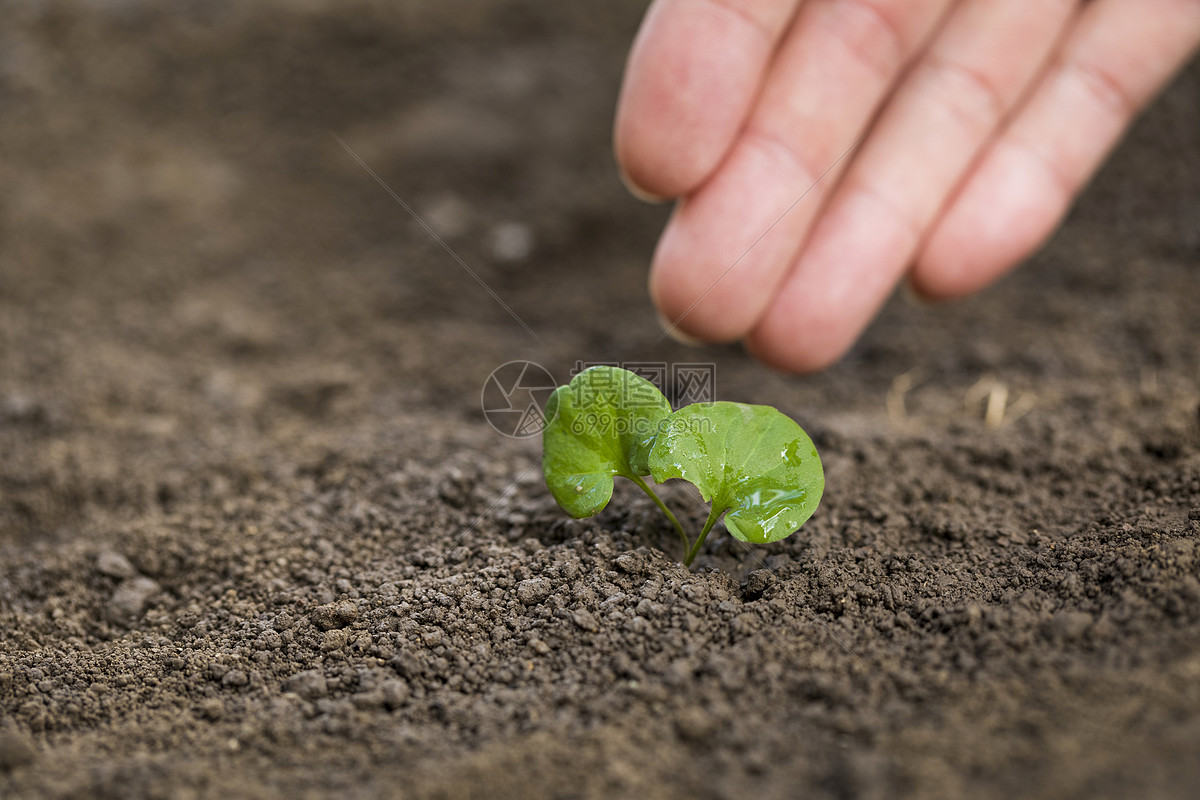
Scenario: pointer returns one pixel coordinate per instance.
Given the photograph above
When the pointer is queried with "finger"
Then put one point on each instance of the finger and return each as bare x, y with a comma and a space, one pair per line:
693, 73
948, 108
1115, 59
834, 68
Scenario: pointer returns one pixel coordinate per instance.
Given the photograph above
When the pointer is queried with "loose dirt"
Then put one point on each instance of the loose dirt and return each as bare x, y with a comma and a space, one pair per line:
258, 540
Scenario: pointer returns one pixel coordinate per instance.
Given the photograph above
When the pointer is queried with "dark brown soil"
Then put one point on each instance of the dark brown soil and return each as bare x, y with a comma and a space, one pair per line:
257, 539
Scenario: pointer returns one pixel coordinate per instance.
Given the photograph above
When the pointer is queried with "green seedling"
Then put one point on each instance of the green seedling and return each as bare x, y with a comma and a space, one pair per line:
753, 464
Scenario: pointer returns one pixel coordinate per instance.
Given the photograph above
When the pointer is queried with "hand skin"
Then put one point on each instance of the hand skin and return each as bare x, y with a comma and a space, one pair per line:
939, 139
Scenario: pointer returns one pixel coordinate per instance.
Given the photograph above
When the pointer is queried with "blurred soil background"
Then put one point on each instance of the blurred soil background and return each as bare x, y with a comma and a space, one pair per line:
258, 540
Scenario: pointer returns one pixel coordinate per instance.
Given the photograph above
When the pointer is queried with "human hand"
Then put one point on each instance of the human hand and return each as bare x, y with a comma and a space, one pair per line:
977, 123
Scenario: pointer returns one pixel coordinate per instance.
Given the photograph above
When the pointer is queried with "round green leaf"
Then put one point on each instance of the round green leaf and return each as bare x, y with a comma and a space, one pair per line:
602, 424
751, 461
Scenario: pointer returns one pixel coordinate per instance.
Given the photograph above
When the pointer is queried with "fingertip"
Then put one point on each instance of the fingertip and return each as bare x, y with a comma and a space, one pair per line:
642, 166
692, 76
1008, 208
688, 323
943, 271
966, 251
791, 356
914, 295
637, 191
798, 343
670, 313
658, 126
686, 296
673, 331
660, 144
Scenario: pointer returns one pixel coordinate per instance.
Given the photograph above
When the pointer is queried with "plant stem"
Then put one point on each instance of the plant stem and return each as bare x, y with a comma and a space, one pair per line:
658, 502
713, 513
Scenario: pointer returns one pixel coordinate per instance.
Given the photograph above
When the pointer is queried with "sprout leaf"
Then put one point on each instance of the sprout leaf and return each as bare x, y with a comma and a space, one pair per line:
602, 424
750, 461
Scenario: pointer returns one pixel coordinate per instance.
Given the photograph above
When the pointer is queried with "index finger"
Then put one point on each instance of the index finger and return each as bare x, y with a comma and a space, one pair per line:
693, 74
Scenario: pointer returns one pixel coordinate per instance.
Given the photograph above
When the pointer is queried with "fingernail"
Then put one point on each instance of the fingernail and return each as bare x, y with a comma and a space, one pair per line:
639, 192
672, 330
